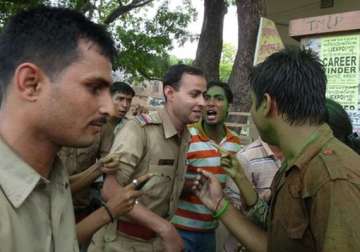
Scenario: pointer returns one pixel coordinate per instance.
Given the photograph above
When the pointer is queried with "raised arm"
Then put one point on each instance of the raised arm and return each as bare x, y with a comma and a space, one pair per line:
209, 190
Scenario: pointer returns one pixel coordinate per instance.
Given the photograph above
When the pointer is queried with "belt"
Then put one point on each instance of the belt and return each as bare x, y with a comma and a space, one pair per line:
135, 230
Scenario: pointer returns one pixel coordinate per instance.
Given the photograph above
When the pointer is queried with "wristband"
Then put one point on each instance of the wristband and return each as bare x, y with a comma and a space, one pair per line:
221, 212
108, 211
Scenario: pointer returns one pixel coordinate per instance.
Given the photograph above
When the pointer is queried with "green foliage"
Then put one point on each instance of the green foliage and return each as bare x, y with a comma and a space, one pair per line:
10, 7
227, 61
143, 33
174, 60
144, 42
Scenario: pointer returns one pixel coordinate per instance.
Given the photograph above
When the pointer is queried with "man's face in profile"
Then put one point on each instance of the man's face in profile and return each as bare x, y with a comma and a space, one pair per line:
77, 102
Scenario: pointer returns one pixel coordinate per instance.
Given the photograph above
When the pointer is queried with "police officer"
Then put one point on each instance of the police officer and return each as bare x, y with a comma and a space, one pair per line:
55, 74
83, 163
154, 143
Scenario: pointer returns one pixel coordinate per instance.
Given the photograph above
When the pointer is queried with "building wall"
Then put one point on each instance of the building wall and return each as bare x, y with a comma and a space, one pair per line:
281, 12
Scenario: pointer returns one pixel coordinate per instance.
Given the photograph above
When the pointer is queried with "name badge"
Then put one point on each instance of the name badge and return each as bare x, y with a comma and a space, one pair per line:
166, 161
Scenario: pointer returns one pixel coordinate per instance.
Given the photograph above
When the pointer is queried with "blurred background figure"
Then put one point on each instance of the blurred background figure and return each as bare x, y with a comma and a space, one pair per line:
340, 123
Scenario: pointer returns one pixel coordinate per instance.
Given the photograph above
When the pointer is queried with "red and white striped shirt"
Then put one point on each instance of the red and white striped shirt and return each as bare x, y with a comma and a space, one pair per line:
203, 153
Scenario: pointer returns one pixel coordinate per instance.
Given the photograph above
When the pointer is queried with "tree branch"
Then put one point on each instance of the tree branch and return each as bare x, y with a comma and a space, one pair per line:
122, 9
146, 76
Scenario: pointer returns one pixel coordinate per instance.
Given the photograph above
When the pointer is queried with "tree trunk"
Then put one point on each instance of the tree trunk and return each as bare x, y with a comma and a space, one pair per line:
209, 49
248, 13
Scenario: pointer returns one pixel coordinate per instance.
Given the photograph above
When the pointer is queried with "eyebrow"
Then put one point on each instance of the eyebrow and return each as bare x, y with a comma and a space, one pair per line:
99, 81
216, 95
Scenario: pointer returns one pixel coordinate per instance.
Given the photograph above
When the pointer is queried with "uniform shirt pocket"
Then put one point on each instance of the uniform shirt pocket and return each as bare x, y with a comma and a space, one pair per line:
295, 219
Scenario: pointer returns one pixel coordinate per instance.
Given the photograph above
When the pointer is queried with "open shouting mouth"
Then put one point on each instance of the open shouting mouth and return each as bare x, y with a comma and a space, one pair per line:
211, 114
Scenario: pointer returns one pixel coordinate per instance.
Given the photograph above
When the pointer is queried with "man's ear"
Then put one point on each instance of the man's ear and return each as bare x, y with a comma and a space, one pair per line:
169, 92
270, 105
27, 80
267, 104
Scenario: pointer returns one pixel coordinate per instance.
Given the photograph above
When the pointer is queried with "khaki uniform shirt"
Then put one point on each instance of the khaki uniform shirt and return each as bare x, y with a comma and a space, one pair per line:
77, 160
316, 199
36, 214
144, 146
156, 148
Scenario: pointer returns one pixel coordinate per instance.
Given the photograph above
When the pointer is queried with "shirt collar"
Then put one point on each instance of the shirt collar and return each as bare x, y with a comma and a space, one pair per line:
231, 136
201, 131
169, 128
313, 146
120, 124
202, 135
268, 151
17, 178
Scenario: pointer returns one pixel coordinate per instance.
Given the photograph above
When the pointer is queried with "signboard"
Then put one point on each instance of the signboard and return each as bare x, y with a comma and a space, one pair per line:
268, 40
339, 22
340, 55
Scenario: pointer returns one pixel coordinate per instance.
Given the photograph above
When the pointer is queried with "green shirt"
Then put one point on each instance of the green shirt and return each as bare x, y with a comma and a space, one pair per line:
315, 201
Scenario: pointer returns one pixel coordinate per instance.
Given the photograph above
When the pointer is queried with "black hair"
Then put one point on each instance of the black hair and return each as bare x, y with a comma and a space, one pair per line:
340, 123
48, 37
228, 93
175, 72
121, 87
296, 80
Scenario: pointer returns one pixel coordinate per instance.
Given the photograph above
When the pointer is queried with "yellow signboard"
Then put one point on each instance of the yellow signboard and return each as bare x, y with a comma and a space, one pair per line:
340, 55
268, 40
341, 58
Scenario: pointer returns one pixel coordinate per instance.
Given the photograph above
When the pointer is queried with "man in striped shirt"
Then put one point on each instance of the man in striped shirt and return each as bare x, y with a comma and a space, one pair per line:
193, 220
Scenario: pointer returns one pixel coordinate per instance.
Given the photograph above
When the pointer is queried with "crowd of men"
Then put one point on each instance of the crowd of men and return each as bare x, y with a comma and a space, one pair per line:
77, 175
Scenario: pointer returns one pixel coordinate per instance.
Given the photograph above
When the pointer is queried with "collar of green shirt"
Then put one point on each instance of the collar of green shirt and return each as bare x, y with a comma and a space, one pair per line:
18, 179
311, 148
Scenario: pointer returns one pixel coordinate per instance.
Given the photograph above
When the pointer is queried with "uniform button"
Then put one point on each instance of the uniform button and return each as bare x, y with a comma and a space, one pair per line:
66, 185
328, 152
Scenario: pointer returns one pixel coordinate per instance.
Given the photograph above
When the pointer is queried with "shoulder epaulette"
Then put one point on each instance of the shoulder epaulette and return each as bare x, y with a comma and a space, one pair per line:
327, 166
333, 164
146, 119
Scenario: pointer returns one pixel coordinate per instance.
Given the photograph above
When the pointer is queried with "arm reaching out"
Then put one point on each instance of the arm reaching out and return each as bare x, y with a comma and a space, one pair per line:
209, 190
234, 169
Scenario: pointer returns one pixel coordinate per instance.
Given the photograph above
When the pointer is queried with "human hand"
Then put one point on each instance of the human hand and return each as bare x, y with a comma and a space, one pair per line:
124, 198
232, 166
110, 163
208, 189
